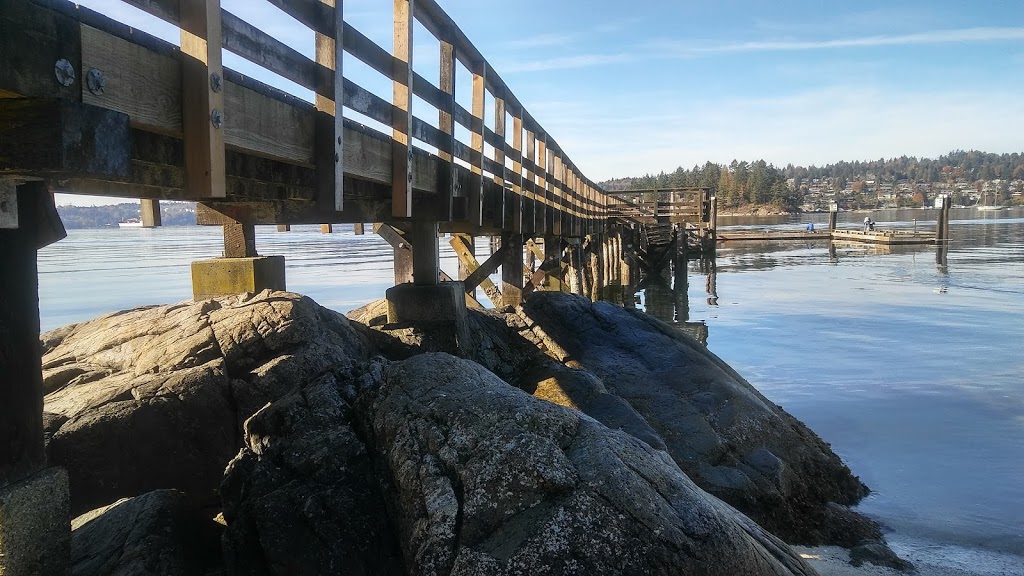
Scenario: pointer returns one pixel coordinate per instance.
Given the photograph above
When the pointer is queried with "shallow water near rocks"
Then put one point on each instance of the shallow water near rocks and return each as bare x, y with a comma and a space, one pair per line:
913, 370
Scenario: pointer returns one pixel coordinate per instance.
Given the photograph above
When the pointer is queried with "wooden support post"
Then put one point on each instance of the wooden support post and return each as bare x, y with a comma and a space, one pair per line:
425, 256
403, 256
401, 120
476, 187
552, 265
512, 270
203, 114
284, 228
478, 274
401, 245
714, 222
240, 240
35, 521
149, 211
330, 125
21, 387
358, 229
327, 228
833, 217
450, 189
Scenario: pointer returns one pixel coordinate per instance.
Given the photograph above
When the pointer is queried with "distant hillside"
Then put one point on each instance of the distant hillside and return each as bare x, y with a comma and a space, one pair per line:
171, 213
969, 177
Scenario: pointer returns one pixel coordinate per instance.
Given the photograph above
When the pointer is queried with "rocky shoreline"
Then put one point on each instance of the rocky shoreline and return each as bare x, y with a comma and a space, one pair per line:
265, 434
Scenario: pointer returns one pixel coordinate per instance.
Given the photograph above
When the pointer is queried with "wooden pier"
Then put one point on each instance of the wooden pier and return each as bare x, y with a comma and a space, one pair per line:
91, 106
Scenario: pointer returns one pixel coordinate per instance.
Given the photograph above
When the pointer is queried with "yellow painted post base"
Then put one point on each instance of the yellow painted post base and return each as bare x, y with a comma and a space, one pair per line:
226, 276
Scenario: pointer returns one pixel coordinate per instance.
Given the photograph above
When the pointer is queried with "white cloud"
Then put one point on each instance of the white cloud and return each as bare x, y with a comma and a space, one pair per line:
965, 35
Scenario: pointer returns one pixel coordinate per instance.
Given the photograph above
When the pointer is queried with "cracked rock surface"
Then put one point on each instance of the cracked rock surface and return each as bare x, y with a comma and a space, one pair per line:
724, 434
477, 478
154, 397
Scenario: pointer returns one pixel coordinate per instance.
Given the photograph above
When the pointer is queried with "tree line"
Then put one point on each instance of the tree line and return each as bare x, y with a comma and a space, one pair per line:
742, 183
171, 214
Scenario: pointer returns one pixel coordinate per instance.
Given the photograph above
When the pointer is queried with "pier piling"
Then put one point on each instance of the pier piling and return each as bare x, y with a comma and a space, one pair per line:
35, 524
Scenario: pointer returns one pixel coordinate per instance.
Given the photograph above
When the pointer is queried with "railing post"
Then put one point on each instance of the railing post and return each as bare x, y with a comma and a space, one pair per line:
446, 123
544, 226
518, 187
531, 184
203, 114
499, 159
330, 124
401, 122
558, 218
476, 190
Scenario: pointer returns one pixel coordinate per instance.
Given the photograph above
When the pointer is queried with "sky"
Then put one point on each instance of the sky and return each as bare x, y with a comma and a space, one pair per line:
630, 88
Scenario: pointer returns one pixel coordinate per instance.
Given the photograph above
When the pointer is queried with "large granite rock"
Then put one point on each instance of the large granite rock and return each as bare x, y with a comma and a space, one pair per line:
634, 373
157, 534
155, 397
477, 478
727, 437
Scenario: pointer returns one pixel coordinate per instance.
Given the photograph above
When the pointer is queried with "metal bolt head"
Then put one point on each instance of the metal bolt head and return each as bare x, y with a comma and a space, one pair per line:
216, 82
64, 72
95, 80
217, 118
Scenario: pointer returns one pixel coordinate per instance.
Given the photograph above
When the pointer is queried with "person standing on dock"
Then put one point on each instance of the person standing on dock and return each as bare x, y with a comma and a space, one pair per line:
868, 224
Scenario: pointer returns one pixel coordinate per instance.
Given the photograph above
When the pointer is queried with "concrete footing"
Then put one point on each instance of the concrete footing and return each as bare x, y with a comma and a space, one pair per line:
226, 276
35, 525
439, 310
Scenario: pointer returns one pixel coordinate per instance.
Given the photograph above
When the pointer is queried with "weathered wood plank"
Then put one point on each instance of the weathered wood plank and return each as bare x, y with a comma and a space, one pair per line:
63, 138
32, 41
139, 82
267, 127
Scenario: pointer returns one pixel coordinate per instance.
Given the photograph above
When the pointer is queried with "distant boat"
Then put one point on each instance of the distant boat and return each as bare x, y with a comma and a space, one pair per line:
130, 223
985, 207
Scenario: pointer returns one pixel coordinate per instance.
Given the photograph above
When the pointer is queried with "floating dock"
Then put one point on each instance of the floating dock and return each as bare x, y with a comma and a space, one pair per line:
886, 237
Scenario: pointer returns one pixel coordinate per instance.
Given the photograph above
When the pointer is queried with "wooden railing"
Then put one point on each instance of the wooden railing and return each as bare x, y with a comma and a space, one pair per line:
670, 205
257, 154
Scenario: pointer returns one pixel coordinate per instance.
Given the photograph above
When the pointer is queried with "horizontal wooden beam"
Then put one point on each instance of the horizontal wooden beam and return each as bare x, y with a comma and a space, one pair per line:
63, 138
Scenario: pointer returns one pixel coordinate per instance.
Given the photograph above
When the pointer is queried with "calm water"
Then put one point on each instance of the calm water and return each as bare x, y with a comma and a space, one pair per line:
913, 370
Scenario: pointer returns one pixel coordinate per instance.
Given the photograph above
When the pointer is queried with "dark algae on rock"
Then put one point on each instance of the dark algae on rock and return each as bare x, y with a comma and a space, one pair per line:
563, 438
